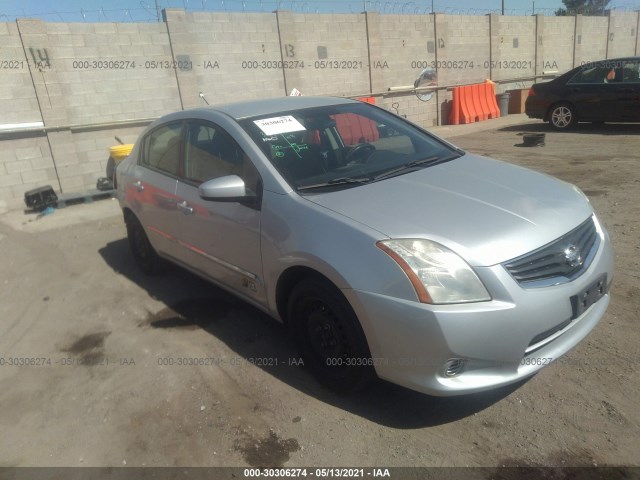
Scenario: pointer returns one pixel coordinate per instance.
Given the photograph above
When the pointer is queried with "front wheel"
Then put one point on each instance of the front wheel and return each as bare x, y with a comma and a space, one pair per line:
562, 116
329, 336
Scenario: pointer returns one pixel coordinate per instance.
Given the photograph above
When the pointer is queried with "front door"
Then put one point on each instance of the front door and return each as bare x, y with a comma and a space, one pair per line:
219, 239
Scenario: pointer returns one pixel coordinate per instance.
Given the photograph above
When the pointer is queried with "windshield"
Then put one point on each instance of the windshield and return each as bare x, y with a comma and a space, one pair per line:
342, 146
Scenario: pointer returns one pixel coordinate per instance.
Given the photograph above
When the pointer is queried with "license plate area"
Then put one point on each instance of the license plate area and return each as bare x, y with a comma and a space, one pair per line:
590, 295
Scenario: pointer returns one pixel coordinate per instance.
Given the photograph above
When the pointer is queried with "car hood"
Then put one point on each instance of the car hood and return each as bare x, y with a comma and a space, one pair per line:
485, 210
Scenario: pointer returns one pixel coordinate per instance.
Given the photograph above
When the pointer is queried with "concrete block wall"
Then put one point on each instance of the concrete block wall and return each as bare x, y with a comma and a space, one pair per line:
91, 73
555, 42
637, 49
26, 164
18, 101
231, 56
622, 33
401, 47
590, 39
100, 72
333, 49
463, 48
80, 78
513, 47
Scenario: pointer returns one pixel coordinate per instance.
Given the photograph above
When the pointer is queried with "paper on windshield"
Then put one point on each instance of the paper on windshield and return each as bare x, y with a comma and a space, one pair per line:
277, 125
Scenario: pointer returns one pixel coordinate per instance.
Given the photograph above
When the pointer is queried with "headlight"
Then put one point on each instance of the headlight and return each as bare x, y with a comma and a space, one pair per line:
437, 274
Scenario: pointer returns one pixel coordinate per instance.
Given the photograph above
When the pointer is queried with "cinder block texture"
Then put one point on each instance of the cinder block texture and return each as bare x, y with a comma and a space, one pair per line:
18, 101
82, 79
226, 56
463, 48
513, 47
591, 39
91, 73
423, 113
401, 47
622, 33
555, 40
328, 54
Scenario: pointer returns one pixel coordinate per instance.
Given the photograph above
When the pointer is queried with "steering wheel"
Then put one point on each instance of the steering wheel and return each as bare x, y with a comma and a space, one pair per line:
361, 147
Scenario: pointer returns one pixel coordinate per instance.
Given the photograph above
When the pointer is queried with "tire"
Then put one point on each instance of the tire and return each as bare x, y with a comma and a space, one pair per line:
111, 168
143, 253
562, 116
329, 336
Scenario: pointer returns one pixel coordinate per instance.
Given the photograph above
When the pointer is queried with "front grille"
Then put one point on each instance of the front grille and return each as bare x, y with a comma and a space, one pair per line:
558, 262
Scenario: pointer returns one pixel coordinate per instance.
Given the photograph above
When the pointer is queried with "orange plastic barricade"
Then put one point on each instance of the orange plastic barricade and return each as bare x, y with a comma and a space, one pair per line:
490, 95
484, 101
476, 95
468, 114
473, 103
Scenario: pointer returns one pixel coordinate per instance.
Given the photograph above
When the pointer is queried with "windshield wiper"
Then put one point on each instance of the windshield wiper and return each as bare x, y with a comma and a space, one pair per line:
412, 166
336, 181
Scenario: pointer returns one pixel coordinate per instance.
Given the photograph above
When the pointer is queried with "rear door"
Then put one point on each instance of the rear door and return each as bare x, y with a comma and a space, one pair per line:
628, 92
219, 239
152, 190
593, 92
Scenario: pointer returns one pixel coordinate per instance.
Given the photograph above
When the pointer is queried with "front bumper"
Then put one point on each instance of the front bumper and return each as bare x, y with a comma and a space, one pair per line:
411, 343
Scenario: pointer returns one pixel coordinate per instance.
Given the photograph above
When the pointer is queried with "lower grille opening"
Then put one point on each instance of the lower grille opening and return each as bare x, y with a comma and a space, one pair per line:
541, 337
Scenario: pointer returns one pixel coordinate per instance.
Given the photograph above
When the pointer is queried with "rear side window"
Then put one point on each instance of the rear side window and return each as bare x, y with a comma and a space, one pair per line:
592, 74
609, 71
631, 72
161, 149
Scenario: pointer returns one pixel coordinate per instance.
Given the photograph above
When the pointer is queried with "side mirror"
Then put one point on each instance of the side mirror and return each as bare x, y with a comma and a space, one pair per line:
230, 188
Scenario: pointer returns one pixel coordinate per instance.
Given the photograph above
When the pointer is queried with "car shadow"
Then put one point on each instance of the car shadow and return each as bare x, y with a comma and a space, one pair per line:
192, 303
582, 128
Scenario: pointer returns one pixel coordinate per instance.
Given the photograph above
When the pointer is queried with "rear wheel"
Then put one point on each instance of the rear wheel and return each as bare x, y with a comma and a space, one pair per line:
329, 336
562, 116
143, 252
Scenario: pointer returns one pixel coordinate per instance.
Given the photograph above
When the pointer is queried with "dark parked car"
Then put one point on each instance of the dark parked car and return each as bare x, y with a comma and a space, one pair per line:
603, 91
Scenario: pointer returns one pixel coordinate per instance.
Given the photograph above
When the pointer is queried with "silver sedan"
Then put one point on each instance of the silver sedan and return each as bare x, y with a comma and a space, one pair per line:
387, 251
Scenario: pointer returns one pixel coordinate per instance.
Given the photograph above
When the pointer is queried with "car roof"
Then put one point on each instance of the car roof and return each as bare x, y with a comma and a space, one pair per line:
254, 108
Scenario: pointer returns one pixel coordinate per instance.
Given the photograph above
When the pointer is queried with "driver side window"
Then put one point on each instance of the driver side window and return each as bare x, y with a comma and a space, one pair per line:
210, 152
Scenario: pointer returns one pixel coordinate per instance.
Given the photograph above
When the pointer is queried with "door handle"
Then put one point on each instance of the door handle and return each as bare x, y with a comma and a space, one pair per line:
185, 208
138, 186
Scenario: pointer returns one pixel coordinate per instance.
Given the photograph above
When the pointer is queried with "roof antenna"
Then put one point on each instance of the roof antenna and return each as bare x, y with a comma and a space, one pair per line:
201, 95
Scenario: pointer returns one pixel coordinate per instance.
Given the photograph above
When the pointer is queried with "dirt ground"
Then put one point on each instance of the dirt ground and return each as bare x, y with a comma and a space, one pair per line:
103, 386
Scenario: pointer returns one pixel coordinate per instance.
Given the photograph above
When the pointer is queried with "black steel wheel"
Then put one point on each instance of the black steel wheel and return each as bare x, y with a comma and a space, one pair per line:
329, 336
143, 252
